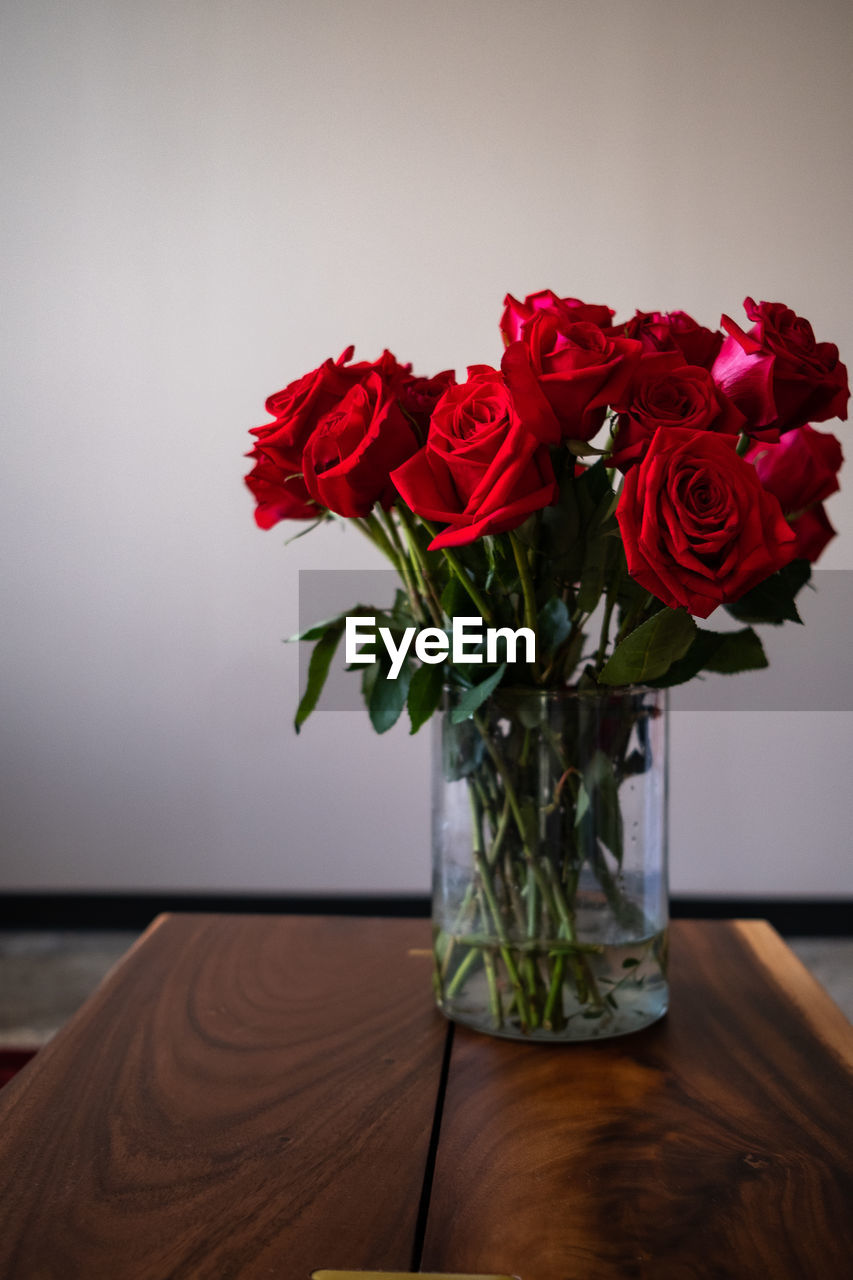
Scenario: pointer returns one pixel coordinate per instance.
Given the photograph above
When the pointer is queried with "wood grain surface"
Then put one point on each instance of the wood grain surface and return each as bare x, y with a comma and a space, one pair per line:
254, 1096
243, 1097
716, 1144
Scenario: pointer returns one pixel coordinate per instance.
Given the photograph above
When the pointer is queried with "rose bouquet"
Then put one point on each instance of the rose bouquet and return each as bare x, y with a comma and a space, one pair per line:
585, 503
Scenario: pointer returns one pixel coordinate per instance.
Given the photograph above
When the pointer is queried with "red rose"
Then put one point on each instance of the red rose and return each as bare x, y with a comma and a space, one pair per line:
419, 396
349, 457
516, 314
482, 470
576, 367
279, 495
801, 469
777, 374
661, 396
276, 479
673, 331
299, 407
813, 531
698, 344
698, 527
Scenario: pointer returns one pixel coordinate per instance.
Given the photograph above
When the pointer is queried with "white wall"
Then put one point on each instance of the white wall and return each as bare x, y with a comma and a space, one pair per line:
202, 200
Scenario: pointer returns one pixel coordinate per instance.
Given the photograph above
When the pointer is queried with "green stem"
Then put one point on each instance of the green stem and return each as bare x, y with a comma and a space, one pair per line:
494, 993
559, 946
628, 913
500, 833
500, 930
552, 1015
489, 895
419, 562
527, 588
461, 973
611, 594
605, 628
403, 566
372, 529
633, 617
458, 569
528, 838
585, 982
531, 903
509, 789
529, 961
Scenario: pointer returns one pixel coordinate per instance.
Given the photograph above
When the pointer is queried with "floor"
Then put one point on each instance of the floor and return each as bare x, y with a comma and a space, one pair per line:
45, 977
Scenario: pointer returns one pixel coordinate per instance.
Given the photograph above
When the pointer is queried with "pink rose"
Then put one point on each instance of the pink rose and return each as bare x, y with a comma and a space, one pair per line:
801, 469
813, 531
777, 374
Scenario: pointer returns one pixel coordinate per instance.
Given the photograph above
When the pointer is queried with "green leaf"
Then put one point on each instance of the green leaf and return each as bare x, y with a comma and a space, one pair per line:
401, 615
491, 556
553, 626
600, 550
651, 649
455, 599
368, 680
425, 693
738, 651
561, 542
318, 670
572, 655
318, 629
321, 519
583, 804
726, 652
529, 822
475, 697
596, 562
798, 573
598, 804
583, 449
388, 697
462, 749
592, 486
772, 601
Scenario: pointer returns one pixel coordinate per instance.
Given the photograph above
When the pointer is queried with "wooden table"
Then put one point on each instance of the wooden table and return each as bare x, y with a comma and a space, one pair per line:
266, 1096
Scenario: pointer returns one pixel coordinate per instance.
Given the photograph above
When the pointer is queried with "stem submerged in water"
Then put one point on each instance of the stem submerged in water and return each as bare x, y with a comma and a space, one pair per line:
548, 930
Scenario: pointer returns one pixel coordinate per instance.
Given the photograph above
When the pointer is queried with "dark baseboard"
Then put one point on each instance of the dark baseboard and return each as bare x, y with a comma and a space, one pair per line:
74, 910
792, 917
803, 917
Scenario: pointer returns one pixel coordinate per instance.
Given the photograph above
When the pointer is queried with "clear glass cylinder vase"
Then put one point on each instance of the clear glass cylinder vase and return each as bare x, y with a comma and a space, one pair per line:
550, 892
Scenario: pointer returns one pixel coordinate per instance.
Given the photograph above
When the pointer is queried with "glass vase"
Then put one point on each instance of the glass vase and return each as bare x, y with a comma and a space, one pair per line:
550, 893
